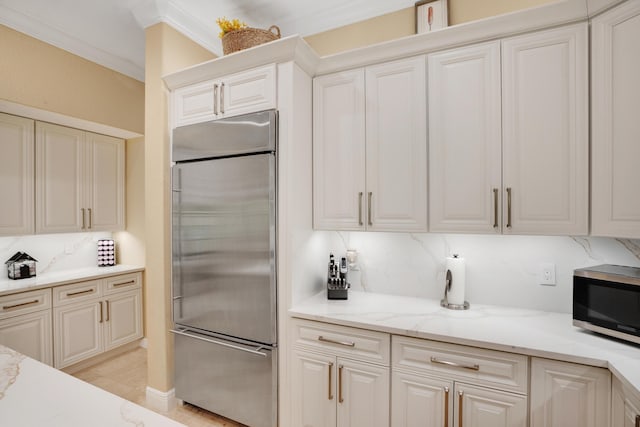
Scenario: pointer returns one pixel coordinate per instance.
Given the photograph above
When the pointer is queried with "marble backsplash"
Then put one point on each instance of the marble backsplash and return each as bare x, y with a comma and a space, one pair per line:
500, 270
55, 252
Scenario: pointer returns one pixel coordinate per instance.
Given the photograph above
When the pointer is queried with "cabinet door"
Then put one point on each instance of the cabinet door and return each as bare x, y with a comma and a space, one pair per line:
59, 179
16, 185
314, 390
615, 102
195, 103
396, 147
104, 182
248, 91
569, 395
339, 151
30, 334
77, 332
545, 132
363, 394
419, 401
483, 407
122, 319
465, 141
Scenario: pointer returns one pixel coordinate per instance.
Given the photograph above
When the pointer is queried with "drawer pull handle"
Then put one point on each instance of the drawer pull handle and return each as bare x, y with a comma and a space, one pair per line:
340, 399
77, 294
460, 401
360, 223
101, 318
108, 309
83, 223
454, 364
90, 219
369, 209
222, 98
330, 380
130, 282
23, 304
215, 99
344, 343
446, 407
495, 208
508, 207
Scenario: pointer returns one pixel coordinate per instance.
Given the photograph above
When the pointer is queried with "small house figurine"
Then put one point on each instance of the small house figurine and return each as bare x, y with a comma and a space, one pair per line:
21, 266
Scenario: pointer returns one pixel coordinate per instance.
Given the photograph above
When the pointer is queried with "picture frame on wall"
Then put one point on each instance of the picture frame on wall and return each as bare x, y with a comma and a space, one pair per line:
431, 15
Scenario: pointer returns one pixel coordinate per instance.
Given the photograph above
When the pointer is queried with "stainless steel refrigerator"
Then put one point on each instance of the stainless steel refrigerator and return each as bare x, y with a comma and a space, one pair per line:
224, 266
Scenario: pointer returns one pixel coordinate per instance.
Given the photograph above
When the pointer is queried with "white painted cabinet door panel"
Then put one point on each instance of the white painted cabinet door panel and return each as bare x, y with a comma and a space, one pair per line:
30, 334
16, 183
569, 395
465, 140
420, 401
615, 102
339, 151
123, 318
59, 179
484, 407
78, 332
194, 103
363, 394
104, 193
314, 390
545, 132
248, 91
396, 148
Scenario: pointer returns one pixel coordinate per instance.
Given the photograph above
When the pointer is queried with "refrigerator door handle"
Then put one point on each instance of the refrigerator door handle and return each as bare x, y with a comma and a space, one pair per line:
224, 344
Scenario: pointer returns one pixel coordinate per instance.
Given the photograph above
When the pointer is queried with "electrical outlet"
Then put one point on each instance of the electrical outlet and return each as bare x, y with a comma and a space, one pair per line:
547, 274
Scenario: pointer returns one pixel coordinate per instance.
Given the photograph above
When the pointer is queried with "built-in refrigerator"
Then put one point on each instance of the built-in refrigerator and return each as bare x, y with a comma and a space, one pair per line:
224, 266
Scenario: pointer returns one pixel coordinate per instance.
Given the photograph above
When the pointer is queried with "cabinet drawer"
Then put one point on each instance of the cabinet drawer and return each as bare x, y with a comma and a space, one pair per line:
491, 368
76, 292
24, 302
360, 344
124, 282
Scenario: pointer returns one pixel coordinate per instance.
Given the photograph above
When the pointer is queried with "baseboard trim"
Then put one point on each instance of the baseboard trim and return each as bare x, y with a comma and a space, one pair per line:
144, 343
162, 401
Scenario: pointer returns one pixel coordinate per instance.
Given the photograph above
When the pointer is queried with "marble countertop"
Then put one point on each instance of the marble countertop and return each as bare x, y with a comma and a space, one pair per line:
529, 332
9, 286
34, 394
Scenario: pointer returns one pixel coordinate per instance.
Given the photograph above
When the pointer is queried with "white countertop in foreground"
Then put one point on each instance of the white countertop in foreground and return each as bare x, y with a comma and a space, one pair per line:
33, 394
529, 332
9, 286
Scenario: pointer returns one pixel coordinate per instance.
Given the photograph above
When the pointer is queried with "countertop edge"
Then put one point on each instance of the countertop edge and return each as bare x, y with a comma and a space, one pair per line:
64, 278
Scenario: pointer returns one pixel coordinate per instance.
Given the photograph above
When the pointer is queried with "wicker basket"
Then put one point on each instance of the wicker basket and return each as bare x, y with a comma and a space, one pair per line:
248, 37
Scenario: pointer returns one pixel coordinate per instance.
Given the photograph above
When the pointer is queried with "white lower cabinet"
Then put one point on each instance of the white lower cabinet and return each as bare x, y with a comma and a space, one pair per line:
25, 324
569, 395
92, 317
334, 382
625, 406
438, 384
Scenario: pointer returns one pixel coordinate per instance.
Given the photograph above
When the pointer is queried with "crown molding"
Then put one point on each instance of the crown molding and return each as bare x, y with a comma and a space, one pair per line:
42, 31
153, 12
292, 48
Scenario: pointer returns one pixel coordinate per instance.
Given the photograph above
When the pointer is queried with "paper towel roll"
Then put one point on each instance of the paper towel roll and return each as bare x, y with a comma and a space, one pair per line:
456, 266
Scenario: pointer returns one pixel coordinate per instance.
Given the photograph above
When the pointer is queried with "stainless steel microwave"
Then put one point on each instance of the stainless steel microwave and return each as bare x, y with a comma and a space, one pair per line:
606, 299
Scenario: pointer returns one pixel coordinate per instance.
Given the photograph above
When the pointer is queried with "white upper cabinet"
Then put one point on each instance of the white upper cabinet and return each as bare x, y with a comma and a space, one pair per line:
16, 166
79, 180
465, 142
243, 92
615, 102
545, 132
396, 149
339, 151
369, 150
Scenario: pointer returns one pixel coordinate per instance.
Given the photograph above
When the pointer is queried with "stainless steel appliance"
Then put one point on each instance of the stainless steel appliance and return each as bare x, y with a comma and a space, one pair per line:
224, 266
606, 299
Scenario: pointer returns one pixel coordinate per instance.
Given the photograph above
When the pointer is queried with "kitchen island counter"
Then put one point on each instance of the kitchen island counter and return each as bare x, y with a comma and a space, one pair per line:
34, 394
516, 330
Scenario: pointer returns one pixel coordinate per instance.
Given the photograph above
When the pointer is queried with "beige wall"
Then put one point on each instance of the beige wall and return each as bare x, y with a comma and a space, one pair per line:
166, 51
39, 75
402, 23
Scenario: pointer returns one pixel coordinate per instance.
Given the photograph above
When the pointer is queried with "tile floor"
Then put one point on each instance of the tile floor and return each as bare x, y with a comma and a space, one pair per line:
126, 376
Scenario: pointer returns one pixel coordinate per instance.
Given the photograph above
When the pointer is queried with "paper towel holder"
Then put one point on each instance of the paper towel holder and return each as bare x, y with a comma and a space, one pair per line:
447, 286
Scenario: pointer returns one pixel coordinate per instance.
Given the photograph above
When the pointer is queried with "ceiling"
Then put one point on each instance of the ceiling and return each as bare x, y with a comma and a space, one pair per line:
111, 32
